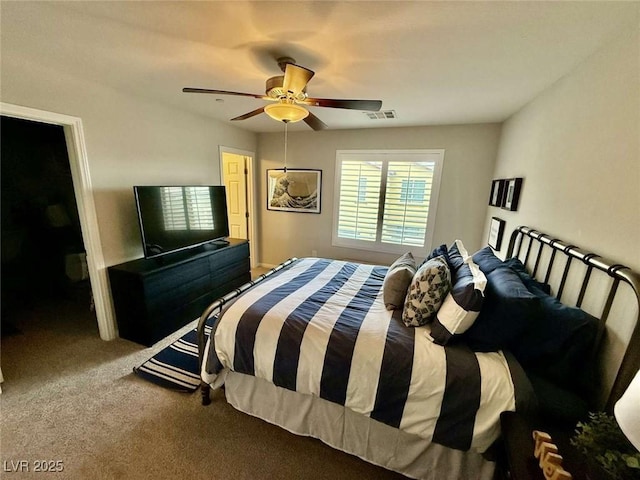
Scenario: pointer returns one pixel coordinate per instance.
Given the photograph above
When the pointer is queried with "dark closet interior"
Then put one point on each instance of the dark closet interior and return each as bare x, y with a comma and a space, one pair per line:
42, 250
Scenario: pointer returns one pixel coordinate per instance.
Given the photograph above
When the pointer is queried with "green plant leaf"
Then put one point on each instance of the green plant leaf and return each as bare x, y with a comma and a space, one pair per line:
632, 461
601, 439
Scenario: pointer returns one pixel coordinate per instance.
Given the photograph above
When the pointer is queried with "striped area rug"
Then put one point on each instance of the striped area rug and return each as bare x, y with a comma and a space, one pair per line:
176, 366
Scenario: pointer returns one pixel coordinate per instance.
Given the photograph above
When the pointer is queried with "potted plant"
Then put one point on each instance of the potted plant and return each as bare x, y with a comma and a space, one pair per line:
606, 449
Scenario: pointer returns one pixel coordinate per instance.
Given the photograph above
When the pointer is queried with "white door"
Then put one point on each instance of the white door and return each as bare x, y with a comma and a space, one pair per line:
234, 177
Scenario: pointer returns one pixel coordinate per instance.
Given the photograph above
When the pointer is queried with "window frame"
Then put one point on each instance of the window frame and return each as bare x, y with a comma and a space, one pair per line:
415, 155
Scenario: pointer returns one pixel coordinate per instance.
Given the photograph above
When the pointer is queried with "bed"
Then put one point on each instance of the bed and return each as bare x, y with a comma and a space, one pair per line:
311, 346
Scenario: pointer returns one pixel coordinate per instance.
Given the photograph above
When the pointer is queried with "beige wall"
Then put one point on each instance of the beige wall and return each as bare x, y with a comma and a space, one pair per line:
577, 145
470, 152
130, 141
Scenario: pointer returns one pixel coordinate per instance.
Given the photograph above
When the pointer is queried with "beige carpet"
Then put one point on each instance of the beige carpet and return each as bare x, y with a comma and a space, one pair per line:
70, 397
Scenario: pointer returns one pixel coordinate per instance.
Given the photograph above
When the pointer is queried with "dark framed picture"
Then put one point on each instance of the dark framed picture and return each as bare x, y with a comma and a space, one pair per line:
294, 190
496, 231
497, 193
513, 187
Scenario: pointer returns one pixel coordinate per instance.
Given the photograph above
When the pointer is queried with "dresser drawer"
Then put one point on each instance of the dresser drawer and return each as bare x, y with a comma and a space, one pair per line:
155, 297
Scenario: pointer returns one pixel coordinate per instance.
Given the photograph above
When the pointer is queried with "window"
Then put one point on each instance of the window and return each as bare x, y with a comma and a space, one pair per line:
413, 191
362, 189
386, 199
187, 208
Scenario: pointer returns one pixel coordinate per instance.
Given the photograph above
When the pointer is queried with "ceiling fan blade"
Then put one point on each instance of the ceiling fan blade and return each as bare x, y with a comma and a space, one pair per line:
296, 78
370, 105
253, 113
223, 92
314, 122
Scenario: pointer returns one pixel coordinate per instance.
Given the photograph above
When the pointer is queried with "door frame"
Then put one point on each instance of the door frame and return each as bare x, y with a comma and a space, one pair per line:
251, 197
81, 177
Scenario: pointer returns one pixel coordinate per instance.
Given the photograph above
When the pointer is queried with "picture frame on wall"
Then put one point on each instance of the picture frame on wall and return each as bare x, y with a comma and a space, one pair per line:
496, 231
497, 193
513, 186
294, 190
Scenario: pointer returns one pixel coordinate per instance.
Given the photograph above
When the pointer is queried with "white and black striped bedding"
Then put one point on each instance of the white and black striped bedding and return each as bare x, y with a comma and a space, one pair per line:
321, 328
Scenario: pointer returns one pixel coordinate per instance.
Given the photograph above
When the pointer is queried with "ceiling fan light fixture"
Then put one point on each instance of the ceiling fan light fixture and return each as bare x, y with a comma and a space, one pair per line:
286, 112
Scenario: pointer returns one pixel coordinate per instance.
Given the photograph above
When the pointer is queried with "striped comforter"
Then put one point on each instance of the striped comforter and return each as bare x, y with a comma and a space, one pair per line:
320, 328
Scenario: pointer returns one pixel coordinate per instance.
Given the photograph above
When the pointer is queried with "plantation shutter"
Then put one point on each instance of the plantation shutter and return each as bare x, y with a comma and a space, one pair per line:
406, 205
359, 199
386, 199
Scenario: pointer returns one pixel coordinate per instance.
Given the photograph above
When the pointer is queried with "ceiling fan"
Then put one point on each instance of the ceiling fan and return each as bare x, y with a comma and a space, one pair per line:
289, 93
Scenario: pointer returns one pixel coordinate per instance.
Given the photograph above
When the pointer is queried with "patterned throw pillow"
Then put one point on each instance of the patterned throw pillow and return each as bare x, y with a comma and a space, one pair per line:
462, 305
397, 280
427, 291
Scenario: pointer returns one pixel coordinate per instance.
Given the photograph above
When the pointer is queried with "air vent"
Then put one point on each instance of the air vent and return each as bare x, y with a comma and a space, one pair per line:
382, 115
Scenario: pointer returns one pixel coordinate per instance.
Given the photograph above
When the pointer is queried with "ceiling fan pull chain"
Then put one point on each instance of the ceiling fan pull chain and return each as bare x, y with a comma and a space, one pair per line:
285, 146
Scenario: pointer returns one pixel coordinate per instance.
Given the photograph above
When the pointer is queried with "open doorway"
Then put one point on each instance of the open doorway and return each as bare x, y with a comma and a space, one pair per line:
237, 175
81, 178
43, 253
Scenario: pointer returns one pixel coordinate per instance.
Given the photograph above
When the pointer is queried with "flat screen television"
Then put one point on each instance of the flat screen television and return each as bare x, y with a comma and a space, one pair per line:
174, 218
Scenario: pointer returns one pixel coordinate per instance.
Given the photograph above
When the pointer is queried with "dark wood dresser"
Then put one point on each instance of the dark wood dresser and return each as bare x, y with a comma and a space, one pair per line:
154, 297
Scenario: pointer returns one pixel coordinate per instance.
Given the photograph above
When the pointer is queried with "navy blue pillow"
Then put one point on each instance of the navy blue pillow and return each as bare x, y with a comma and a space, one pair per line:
455, 257
461, 306
528, 280
558, 345
440, 251
508, 309
487, 260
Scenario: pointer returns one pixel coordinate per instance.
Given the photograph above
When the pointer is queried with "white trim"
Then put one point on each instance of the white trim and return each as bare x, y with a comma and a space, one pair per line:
436, 155
251, 198
78, 160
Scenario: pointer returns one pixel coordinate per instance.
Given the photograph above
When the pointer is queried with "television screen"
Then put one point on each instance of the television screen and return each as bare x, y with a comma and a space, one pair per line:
174, 218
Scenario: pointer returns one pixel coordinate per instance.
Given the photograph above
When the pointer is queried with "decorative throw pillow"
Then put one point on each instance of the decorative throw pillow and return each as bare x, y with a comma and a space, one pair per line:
396, 281
463, 303
428, 289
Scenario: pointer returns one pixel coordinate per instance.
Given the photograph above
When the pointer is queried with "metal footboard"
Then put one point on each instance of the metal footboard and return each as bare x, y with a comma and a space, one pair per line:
215, 308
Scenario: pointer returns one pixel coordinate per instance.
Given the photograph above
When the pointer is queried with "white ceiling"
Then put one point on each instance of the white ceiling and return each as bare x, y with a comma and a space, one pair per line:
432, 62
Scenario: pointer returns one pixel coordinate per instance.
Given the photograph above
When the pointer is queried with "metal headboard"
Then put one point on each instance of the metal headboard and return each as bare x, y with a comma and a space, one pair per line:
528, 244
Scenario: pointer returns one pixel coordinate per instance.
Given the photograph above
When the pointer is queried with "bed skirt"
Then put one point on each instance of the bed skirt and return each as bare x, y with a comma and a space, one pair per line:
345, 430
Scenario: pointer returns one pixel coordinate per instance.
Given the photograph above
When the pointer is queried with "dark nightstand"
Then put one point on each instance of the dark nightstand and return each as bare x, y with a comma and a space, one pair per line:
518, 462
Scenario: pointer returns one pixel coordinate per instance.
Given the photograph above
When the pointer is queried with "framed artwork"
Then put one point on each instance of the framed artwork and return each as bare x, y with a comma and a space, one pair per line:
496, 231
512, 193
497, 193
294, 190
